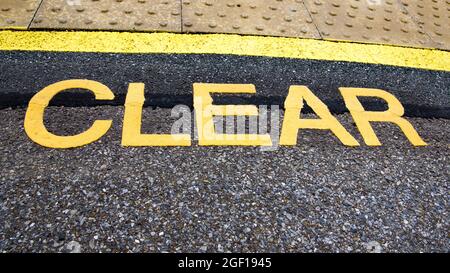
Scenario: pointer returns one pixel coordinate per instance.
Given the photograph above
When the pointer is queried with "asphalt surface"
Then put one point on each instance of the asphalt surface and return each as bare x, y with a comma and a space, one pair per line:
169, 79
316, 196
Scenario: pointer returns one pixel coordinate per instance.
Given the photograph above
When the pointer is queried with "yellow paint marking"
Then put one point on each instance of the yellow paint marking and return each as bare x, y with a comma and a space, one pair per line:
363, 118
15, 27
205, 112
34, 117
292, 121
132, 120
126, 42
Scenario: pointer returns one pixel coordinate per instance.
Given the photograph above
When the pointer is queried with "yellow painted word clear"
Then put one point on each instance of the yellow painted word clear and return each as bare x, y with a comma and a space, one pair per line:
205, 111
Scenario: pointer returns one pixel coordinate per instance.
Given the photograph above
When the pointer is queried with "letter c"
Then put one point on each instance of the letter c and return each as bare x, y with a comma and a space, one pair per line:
34, 117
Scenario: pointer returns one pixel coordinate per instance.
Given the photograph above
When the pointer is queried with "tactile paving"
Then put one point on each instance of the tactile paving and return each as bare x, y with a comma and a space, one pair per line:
259, 17
17, 13
434, 17
149, 15
373, 21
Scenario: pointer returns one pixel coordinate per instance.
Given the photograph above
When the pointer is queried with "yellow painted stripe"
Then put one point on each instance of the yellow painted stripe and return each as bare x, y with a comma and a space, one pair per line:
126, 42
15, 27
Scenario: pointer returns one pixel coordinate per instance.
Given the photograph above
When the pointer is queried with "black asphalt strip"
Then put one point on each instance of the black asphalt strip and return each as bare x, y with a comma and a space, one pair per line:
169, 79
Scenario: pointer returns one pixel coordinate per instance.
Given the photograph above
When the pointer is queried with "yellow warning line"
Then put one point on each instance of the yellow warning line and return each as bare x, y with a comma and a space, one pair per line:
126, 42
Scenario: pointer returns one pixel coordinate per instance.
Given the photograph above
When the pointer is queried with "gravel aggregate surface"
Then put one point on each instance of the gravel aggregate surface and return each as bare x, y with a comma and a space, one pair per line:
318, 196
